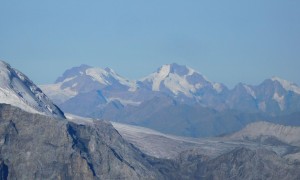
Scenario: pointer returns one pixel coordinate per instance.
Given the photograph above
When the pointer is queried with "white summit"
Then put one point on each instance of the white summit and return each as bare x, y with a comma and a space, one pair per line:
179, 79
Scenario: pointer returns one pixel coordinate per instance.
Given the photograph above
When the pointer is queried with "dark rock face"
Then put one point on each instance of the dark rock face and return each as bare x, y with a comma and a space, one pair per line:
39, 147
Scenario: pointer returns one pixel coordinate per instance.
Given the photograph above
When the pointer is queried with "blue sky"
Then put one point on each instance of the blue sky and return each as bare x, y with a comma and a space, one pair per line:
227, 41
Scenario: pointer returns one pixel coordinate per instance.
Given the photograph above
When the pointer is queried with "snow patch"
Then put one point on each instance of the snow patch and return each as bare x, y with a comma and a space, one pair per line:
103, 77
289, 86
58, 94
178, 84
218, 87
191, 71
163, 73
8, 97
125, 102
280, 100
74, 85
68, 79
159, 76
250, 91
262, 106
98, 74
198, 86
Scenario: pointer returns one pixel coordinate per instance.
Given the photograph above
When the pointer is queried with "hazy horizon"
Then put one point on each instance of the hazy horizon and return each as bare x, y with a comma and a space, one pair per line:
228, 42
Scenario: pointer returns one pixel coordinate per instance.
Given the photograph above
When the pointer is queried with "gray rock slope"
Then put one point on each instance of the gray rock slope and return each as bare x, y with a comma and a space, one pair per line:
33, 146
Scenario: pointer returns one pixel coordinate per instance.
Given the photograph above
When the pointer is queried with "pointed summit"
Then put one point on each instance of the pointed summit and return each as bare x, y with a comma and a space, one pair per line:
179, 79
75, 71
85, 79
175, 68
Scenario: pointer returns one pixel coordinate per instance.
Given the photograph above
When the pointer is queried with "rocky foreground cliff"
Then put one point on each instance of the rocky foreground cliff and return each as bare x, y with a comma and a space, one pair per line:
34, 146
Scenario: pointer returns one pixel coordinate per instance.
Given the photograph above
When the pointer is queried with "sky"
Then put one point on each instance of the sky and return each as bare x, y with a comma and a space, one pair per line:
227, 41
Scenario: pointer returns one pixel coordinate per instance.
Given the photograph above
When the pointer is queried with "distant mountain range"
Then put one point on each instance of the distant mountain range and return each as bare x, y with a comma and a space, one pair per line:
174, 99
43, 143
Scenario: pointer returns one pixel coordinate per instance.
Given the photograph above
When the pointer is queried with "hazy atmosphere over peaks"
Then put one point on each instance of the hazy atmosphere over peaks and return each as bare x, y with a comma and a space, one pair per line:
227, 41
157, 89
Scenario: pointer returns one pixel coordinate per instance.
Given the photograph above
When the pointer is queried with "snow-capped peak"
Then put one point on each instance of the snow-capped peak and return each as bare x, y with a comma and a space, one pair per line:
108, 76
99, 75
105, 77
73, 72
164, 70
17, 90
159, 76
179, 79
84, 79
289, 86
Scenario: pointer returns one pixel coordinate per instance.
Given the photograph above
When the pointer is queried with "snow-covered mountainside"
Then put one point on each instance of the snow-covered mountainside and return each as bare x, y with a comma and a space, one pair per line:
84, 79
273, 96
18, 90
289, 86
278, 95
180, 82
179, 79
254, 131
174, 99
